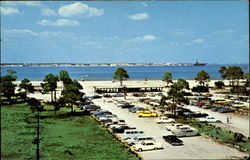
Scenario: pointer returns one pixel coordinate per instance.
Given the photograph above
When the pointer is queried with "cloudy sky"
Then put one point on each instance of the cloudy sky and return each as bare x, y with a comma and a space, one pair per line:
110, 32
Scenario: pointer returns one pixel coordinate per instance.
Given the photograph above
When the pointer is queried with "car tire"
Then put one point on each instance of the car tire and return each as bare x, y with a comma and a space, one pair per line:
155, 148
139, 150
140, 116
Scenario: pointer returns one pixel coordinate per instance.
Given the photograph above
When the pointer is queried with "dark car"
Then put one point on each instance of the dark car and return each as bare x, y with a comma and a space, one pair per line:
91, 107
107, 96
216, 108
173, 140
225, 110
126, 105
135, 109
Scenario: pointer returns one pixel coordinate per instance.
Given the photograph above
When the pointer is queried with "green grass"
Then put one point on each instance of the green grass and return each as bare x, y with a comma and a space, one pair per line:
81, 135
217, 133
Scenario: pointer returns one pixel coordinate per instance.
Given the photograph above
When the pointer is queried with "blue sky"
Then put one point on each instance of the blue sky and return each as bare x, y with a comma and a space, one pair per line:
113, 32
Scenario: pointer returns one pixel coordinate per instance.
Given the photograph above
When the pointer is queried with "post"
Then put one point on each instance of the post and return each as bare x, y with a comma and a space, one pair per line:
38, 139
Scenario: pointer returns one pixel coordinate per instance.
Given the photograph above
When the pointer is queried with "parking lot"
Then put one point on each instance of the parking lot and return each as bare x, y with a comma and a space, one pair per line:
197, 147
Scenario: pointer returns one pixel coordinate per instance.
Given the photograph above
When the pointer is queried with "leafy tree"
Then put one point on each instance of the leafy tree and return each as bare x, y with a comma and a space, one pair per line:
64, 77
120, 74
71, 93
219, 84
50, 85
181, 84
202, 77
7, 85
176, 94
232, 73
27, 87
247, 78
167, 77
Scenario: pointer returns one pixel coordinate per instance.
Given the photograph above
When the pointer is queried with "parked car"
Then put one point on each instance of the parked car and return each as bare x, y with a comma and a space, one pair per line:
114, 121
91, 107
118, 95
173, 140
220, 101
126, 105
135, 109
209, 120
165, 120
176, 126
139, 139
147, 145
107, 95
146, 114
186, 132
226, 110
216, 108
130, 134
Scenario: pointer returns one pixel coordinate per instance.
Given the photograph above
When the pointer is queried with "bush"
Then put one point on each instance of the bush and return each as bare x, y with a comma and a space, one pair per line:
200, 89
219, 84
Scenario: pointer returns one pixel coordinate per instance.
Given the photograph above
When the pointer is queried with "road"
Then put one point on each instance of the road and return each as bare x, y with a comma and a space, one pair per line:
194, 147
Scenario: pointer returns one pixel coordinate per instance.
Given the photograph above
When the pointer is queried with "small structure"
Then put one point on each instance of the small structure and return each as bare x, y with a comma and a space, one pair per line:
128, 89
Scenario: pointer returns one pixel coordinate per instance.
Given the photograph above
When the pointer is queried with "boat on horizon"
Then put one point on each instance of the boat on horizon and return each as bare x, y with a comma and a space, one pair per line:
199, 64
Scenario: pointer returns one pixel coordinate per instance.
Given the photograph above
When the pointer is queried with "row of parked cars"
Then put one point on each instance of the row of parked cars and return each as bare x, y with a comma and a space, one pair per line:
129, 134
219, 105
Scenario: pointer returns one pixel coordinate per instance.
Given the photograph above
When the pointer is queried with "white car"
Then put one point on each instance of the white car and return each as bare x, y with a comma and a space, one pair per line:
147, 145
176, 126
165, 120
186, 132
139, 139
209, 120
117, 125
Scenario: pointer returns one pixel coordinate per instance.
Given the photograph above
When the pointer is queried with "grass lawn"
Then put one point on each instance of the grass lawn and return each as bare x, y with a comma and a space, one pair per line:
81, 135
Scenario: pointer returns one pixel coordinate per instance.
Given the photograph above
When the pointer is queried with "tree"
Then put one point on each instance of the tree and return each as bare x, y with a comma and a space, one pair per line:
7, 85
64, 77
27, 87
120, 74
200, 89
247, 78
176, 94
167, 77
50, 85
202, 77
181, 84
232, 73
219, 84
71, 93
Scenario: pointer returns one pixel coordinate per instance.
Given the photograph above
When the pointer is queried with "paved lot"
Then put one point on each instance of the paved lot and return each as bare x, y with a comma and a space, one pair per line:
194, 147
238, 123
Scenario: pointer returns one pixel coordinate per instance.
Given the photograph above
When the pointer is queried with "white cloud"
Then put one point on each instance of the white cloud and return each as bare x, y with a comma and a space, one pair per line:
9, 11
143, 38
77, 9
139, 16
48, 12
28, 31
198, 41
180, 32
226, 31
173, 43
25, 3
59, 22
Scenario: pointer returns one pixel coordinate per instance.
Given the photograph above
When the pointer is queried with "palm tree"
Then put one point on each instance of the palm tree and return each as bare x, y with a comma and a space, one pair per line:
120, 74
167, 77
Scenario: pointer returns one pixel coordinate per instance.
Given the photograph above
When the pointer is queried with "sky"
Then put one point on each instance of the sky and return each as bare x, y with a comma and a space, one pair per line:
124, 32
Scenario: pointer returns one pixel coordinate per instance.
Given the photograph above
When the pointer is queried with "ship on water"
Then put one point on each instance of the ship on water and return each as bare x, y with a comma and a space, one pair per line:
199, 64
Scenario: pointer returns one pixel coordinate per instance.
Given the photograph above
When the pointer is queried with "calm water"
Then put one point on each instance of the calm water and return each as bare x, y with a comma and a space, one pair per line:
106, 73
